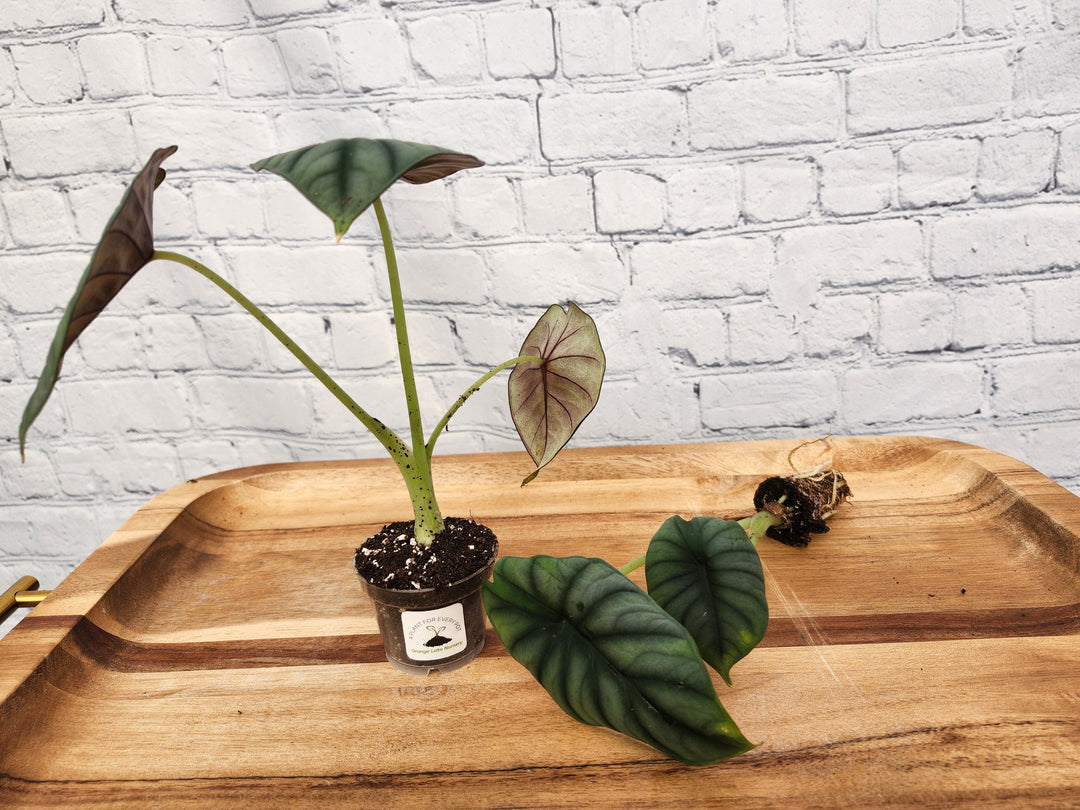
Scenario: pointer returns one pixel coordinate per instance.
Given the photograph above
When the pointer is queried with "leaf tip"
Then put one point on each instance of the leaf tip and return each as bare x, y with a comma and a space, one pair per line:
530, 476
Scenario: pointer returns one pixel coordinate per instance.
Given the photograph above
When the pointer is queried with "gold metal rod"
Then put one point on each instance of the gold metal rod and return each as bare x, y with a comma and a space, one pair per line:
13, 597
30, 598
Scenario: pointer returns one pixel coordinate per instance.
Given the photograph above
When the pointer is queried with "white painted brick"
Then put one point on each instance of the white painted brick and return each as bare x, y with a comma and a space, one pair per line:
251, 403
1053, 449
173, 342
520, 42
912, 392
182, 66
51, 14
701, 334
857, 181
770, 109
704, 198
183, 12
751, 29
496, 130
7, 81
485, 206
1068, 163
428, 38
918, 321
149, 405
68, 143
233, 340
838, 325
431, 339
542, 274
937, 172
372, 55
1019, 165
174, 217
33, 479
1066, 13
486, 340
288, 8
983, 17
114, 65
623, 413
253, 67
276, 276
826, 26
628, 201
171, 286
1001, 242
418, 212
206, 456
1056, 305
311, 333
768, 399
305, 127
50, 424
560, 204
38, 216
696, 269
596, 41
9, 358
213, 139
761, 333
309, 60
362, 339
33, 339
778, 189
863, 253
111, 343
671, 33
92, 206
906, 22
1035, 383
991, 316
442, 276
48, 281
582, 125
227, 209
85, 471
147, 467
946, 88
48, 73
290, 216
1048, 77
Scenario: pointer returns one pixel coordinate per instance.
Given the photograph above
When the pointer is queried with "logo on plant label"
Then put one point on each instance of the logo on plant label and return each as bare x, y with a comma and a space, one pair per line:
431, 635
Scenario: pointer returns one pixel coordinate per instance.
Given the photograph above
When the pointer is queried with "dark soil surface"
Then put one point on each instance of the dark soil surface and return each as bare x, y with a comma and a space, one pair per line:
804, 503
393, 559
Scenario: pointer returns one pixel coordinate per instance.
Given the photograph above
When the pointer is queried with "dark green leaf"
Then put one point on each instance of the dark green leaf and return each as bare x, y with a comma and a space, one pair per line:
609, 655
124, 248
343, 177
550, 399
707, 574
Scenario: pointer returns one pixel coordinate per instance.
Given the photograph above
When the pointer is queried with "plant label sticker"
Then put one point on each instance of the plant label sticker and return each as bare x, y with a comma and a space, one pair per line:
432, 635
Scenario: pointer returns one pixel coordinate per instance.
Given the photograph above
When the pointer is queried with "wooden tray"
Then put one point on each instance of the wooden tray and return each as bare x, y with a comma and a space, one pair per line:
218, 650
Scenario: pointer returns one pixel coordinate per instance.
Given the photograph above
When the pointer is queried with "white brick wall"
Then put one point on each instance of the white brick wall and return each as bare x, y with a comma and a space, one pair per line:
789, 218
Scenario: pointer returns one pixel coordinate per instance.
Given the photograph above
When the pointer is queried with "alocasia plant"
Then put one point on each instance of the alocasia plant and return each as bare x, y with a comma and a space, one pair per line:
559, 370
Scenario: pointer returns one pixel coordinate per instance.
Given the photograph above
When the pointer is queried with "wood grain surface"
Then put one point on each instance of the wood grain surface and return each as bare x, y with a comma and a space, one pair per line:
218, 649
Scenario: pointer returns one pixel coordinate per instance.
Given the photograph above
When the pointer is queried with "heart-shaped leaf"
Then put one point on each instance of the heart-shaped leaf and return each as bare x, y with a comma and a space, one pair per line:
707, 574
343, 177
609, 655
551, 398
125, 247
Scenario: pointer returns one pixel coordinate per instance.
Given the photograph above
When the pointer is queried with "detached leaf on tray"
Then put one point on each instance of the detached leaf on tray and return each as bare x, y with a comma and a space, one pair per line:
343, 177
549, 400
609, 656
707, 574
125, 247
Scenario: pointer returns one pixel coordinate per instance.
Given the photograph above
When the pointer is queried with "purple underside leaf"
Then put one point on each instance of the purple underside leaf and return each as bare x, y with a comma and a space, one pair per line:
550, 399
125, 247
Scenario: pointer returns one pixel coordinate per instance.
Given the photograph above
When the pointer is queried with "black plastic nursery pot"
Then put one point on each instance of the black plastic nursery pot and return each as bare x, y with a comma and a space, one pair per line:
432, 629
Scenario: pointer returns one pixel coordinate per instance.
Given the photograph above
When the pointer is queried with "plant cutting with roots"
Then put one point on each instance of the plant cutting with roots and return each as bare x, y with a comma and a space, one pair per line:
608, 652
